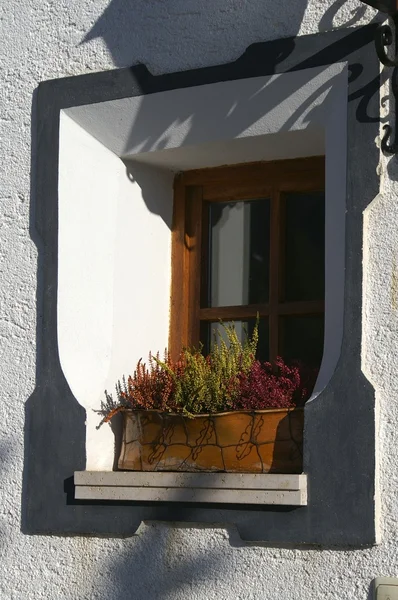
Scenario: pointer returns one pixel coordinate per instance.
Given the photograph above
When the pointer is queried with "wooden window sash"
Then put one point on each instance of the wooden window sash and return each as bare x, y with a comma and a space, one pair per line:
192, 191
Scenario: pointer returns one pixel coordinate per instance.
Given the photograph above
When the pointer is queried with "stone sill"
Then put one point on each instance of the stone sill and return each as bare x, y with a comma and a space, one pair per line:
231, 488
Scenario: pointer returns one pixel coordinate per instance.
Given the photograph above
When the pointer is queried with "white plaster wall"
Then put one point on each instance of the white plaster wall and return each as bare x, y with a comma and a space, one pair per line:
88, 203
41, 40
109, 242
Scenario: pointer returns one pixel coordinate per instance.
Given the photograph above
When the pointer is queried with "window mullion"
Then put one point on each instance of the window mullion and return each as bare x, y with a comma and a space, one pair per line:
193, 244
178, 333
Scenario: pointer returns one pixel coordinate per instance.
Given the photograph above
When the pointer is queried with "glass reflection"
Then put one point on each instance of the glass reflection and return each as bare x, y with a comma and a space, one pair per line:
211, 332
239, 253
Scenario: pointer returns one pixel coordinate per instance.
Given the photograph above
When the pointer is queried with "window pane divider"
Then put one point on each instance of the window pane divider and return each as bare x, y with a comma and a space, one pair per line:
305, 307
233, 312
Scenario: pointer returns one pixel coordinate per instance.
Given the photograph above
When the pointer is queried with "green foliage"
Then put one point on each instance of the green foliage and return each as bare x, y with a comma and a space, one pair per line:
193, 384
210, 384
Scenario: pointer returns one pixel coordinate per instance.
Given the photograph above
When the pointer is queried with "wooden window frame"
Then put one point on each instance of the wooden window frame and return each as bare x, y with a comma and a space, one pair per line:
221, 184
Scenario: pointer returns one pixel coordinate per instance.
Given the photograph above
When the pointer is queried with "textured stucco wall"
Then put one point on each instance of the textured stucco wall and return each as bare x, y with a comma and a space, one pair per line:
41, 40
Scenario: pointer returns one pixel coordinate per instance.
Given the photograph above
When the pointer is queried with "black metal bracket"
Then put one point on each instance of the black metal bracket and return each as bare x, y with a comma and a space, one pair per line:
385, 145
385, 38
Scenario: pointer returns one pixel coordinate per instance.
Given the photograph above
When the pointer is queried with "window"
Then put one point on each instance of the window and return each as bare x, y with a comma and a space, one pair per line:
84, 124
250, 239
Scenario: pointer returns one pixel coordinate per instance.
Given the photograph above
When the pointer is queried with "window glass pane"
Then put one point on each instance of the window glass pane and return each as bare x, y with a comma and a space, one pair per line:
238, 266
209, 330
301, 338
304, 237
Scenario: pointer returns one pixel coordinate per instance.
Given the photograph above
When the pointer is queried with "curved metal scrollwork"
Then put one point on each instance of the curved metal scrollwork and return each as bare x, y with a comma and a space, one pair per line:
385, 145
385, 37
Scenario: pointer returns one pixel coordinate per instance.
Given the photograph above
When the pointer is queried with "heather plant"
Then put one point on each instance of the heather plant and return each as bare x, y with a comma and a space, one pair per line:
227, 362
269, 385
211, 384
218, 373
191, 384
228, 378
150, 387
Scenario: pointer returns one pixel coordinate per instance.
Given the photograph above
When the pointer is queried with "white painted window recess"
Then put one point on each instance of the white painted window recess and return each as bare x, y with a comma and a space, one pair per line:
115, 208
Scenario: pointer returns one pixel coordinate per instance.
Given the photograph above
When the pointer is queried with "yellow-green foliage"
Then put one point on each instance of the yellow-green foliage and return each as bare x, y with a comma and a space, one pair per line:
210, 384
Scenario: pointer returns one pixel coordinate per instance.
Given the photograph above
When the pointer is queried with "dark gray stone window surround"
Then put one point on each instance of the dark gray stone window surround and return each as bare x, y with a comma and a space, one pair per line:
340, 443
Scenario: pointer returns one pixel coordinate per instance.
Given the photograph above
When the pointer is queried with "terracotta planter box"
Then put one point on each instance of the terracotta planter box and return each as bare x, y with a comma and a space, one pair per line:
263, 441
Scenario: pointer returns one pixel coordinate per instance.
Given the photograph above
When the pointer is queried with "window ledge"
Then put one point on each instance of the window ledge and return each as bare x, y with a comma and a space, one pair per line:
234, 488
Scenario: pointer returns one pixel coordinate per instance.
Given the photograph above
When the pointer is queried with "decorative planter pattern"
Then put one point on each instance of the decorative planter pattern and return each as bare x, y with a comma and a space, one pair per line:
263, 441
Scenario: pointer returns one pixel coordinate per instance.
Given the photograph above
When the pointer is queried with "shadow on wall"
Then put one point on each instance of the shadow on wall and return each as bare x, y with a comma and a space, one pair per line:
189, 28
231, 116
163, 563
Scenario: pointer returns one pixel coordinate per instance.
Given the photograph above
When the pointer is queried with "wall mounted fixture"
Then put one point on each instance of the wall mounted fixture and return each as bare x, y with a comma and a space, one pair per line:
384, 38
